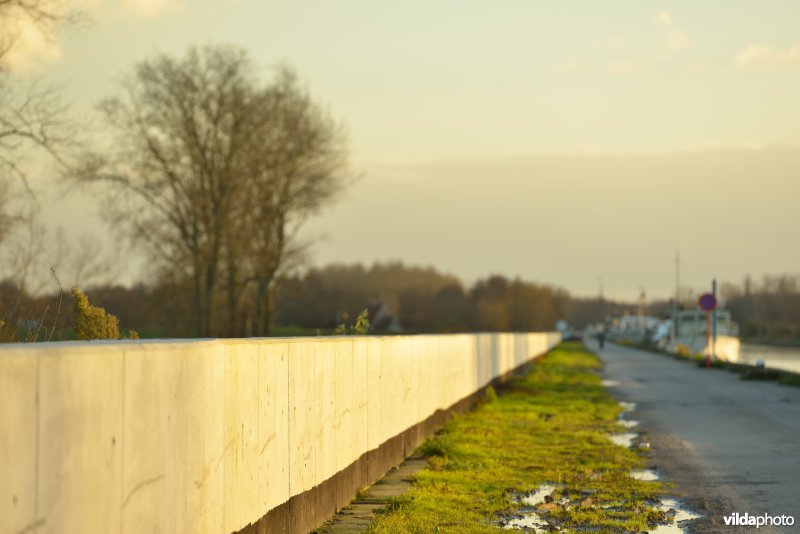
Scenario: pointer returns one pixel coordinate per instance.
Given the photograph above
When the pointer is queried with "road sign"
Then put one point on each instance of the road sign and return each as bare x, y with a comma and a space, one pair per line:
707, 301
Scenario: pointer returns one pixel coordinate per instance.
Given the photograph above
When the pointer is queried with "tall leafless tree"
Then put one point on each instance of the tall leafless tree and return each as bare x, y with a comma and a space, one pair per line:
180, 124
296, 172
211, 167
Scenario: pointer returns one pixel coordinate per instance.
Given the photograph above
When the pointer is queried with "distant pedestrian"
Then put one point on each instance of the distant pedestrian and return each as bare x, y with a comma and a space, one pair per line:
601, 338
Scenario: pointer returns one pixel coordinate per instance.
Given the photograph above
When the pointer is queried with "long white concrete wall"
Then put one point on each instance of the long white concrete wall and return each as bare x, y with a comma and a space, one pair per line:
209, 435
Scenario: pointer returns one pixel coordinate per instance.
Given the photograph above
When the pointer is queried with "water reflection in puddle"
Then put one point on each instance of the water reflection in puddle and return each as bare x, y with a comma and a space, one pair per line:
539, 496
644, 474
628, 423
528, 518
679, 514
624, 440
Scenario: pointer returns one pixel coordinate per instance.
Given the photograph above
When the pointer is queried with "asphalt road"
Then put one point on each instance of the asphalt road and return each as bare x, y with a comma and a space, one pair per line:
729, 445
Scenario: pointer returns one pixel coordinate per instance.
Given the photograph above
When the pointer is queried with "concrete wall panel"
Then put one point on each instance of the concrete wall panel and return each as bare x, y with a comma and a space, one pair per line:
302, 411
361, 397
325, 379
174, 447
375, 429
344, 407
80, 442
273, 425
18, 441
241, 458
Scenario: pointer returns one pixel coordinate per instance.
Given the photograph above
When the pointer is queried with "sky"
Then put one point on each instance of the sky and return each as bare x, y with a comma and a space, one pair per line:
574, 143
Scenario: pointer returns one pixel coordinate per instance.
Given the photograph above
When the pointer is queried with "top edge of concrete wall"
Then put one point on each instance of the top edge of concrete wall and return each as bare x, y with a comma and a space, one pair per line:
161, 344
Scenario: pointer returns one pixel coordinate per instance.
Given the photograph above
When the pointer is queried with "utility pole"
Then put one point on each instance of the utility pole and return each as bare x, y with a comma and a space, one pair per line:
714, 321
677, 276
673, 330
642, 299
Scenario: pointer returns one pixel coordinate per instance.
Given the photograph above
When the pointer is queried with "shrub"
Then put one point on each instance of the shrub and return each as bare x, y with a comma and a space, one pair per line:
92, 322
362, 325
360, 328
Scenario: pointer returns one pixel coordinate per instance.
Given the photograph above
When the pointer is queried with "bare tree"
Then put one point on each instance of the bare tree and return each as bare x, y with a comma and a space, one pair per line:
214, 169
180, 126
295, 172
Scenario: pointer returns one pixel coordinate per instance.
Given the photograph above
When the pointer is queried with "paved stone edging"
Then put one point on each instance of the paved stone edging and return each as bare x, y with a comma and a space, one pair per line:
359, 514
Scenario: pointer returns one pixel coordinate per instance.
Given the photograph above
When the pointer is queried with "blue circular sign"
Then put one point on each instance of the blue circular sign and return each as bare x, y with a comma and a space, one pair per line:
708, 301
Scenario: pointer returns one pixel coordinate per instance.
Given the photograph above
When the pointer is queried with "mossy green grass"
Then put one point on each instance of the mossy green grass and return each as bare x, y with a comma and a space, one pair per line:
549, 426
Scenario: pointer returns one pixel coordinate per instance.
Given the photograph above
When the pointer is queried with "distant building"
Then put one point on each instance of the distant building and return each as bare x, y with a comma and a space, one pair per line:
381, 318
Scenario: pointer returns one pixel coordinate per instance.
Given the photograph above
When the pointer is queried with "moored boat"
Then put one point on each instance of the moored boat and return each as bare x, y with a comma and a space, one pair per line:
690, 335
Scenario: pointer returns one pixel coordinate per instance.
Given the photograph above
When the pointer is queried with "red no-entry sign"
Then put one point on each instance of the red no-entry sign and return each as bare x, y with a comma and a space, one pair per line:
707, 301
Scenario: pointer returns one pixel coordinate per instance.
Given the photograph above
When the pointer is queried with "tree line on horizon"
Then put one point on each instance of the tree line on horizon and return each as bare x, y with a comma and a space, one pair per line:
422, 300
317, 300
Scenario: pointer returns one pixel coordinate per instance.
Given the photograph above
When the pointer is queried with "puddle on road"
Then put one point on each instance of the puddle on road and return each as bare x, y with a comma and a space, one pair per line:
628, 423
528, 518
539, 496
624, 440
644, 474
674, 509
609, 383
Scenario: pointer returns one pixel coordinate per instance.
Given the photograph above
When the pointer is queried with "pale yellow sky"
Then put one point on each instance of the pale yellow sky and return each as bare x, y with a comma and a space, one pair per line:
559, 141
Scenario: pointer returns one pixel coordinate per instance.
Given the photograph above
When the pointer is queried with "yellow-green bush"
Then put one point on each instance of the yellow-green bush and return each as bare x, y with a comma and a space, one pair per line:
92, 322
360, 328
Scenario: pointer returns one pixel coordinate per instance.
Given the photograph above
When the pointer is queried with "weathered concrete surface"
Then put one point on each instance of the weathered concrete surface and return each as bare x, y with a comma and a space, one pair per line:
222, 435
19, 389
730, 445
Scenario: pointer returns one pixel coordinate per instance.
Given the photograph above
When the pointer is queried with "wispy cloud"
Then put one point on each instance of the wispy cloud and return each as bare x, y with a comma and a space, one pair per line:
755, 56
674, 37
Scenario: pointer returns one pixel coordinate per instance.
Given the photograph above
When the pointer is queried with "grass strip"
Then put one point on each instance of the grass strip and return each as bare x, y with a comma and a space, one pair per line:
549, 427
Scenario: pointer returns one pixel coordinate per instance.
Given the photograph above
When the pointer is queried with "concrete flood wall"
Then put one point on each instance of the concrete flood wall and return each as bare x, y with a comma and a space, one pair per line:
253, 435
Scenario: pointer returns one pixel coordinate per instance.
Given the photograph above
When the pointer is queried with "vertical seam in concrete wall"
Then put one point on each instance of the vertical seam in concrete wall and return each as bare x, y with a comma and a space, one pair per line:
122, 441
224, 431
316, 415
289, 417
367, 433
260, 407
36, 462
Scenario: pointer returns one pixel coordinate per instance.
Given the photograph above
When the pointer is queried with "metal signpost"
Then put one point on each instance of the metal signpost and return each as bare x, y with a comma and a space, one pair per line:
708, 302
